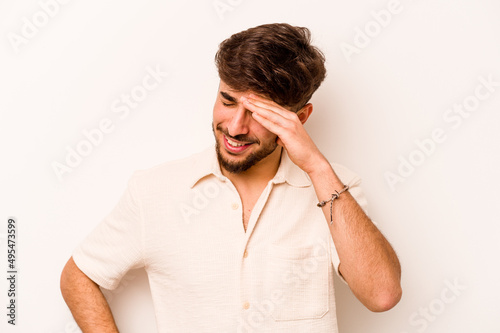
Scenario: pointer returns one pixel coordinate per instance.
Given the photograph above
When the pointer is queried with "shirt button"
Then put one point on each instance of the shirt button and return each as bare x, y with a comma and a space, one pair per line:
235, 206
246, 305
245, 254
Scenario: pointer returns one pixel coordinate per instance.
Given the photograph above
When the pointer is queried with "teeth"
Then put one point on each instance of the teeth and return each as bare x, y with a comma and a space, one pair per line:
234, 144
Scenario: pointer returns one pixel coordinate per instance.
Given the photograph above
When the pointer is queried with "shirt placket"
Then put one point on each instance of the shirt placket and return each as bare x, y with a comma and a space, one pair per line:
248, 271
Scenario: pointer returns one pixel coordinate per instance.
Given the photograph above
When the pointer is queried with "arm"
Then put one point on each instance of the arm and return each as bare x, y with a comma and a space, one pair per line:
86, 301
368, 263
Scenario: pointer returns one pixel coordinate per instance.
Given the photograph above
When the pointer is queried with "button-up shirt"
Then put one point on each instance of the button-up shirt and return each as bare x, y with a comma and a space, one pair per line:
182, 222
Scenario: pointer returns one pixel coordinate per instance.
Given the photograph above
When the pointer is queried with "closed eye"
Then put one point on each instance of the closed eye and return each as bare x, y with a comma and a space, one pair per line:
231, 101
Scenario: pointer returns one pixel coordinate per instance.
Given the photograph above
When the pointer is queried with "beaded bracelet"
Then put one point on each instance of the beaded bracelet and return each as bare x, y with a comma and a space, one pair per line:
335, 195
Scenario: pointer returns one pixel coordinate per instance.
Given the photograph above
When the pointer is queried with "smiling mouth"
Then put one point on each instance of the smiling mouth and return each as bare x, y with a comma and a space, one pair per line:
234, 143
235, 147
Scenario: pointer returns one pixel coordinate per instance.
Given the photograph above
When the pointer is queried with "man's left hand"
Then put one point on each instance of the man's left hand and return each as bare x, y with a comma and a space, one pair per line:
288, 126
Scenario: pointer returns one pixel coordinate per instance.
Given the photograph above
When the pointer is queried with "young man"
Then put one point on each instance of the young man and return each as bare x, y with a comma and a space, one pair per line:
232, 238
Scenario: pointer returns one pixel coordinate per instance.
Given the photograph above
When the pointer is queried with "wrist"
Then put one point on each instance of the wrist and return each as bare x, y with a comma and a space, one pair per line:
319, 166
323, 172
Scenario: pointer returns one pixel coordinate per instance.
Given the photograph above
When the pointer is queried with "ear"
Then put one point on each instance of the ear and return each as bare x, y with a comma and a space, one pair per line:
305, 112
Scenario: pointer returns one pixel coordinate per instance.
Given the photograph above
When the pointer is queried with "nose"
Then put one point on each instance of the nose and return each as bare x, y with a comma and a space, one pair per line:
239, 123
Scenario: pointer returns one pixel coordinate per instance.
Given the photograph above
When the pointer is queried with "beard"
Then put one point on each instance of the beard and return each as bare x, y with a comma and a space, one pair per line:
250, 160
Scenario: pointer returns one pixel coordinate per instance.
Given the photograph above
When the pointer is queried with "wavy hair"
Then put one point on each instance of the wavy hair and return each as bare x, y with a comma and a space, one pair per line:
276, 61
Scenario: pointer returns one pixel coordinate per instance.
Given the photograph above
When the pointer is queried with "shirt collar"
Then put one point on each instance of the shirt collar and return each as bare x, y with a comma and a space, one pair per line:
204, 165
207, 164
290, 173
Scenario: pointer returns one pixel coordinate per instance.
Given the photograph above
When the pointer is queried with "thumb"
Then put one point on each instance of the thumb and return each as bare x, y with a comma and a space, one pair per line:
279, 142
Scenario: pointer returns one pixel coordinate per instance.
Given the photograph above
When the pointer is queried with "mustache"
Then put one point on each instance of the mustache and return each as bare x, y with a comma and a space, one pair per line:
239, 137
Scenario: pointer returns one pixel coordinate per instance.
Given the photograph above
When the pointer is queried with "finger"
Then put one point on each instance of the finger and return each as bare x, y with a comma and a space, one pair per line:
264, 100
269, 105
278, 117
271, 116
268, 124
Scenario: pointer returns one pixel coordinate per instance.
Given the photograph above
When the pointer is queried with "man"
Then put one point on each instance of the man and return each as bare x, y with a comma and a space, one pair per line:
232, 238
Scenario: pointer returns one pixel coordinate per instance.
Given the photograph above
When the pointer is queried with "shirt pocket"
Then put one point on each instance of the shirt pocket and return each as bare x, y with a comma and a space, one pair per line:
299, 275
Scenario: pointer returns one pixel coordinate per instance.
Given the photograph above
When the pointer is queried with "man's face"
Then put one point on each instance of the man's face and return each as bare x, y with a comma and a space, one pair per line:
241, 142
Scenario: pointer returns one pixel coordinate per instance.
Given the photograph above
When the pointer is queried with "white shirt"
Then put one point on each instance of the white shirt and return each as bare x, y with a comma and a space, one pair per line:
182, 222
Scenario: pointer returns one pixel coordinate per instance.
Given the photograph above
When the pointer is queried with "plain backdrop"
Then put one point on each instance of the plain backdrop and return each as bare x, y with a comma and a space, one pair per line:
392, 82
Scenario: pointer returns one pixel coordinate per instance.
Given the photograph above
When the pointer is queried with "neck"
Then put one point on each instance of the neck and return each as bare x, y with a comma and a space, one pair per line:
262, 172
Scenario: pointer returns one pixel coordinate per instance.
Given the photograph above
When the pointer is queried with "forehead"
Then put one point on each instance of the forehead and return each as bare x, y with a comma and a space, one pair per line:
228, 89
224, 89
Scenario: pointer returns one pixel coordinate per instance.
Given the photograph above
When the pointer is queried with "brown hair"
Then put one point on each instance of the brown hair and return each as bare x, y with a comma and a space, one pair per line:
276, 61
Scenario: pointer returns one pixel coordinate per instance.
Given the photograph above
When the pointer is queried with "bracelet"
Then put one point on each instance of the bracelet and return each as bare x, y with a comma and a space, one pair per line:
335, 195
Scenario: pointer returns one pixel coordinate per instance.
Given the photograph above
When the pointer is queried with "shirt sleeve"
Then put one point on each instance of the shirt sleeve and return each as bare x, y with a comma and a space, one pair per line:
116, 245
354, 183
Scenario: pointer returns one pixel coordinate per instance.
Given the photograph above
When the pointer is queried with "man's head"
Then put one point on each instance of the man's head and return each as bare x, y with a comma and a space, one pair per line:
274, 61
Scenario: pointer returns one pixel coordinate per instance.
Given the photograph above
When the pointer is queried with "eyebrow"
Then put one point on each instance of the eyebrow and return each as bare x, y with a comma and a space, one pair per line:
228, 97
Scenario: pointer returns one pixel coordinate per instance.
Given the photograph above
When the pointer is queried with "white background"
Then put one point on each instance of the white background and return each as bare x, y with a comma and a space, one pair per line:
442, 219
